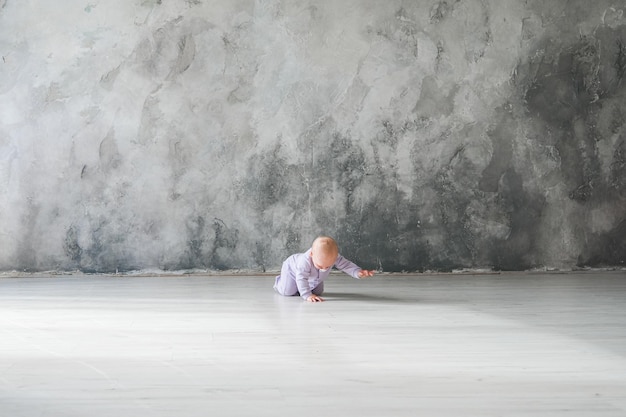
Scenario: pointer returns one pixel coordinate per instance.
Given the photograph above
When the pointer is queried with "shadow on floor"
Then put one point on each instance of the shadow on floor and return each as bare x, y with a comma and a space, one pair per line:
343, 296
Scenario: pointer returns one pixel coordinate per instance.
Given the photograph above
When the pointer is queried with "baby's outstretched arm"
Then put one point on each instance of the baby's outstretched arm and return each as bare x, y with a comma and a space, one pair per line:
363, 273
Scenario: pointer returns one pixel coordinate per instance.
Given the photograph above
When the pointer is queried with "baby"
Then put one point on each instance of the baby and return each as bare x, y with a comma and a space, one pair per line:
304, 273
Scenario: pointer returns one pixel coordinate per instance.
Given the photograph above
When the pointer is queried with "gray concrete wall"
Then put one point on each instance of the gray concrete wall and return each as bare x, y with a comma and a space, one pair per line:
178, 134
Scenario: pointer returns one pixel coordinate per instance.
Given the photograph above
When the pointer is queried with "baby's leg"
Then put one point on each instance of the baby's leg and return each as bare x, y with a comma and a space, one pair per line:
319, 289
285, 286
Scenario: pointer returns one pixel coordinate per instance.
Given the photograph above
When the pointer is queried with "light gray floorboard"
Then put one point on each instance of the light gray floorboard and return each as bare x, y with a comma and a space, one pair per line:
422, 345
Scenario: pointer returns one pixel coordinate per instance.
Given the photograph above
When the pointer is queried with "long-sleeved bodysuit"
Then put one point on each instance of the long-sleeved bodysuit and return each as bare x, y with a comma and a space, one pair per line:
298, 275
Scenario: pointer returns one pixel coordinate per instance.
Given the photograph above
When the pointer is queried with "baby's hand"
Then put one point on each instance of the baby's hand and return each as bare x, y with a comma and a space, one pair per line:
314, 298
365, 273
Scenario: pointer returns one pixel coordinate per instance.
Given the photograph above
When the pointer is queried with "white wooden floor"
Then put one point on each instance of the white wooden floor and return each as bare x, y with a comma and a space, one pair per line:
422, 345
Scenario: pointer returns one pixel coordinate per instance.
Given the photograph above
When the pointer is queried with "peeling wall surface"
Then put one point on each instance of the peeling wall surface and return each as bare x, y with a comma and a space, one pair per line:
186, 134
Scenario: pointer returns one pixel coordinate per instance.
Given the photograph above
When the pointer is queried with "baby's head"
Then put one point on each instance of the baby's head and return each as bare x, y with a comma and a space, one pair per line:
324, 252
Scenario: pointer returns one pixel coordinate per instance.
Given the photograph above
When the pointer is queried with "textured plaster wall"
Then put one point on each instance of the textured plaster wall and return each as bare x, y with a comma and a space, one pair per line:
178, 134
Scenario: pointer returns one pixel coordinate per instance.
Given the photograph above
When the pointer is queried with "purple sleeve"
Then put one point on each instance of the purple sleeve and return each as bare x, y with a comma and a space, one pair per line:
303, 272
347, 266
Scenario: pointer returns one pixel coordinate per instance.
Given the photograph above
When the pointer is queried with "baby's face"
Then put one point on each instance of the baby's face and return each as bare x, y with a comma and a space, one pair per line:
322, 261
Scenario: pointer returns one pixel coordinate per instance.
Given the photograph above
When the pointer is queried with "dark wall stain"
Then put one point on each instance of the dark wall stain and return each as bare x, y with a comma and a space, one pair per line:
197, 252
226, 240
439, 11
110, 158
607, 249
186, 55
71, 246
348, 167
575, 96
431, 102
382, 233
293, 240
260, 255
107, 81
618, 168
27, 256
501, 137
518, 250
451, 206
268, 178
103, 253
273, 184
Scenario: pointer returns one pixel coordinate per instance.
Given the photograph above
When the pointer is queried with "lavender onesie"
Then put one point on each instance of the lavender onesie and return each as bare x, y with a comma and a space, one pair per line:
298, 275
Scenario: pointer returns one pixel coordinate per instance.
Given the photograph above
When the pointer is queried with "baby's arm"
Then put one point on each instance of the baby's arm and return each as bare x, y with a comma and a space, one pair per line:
351, 268
302, 273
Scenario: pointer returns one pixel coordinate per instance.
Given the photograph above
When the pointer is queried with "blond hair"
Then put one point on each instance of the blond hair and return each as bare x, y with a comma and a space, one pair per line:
325, 245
